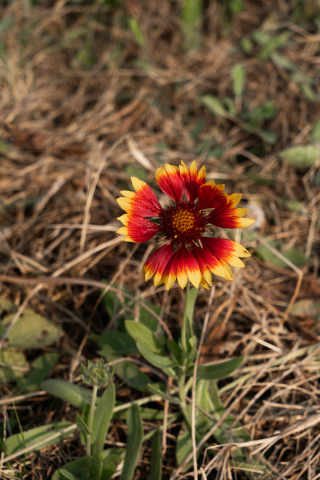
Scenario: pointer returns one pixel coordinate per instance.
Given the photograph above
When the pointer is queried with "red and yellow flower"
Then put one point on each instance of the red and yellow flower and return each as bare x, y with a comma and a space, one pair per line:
185, 227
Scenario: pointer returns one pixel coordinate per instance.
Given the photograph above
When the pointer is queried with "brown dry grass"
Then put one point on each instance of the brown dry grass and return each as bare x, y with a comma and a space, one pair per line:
69, 134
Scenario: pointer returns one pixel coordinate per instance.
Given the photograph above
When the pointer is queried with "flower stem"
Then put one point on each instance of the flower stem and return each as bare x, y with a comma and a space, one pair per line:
90, 423
185, 320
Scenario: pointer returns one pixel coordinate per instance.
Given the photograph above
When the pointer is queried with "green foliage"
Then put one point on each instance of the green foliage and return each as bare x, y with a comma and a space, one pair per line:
292, 254
113, 307
160, 361
136, 31
238, 79
306, 308
134, 442
69, 392
273, 43
191, 23
30, 331
102, 470
301, 156
103, 417
140, 332
220, 370
13, 365
30, 438
156, 458
96, 374
213, 104
315, 133
42, 366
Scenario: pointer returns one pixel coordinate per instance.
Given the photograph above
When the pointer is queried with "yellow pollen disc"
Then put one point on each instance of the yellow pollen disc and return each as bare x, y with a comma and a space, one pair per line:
183, 220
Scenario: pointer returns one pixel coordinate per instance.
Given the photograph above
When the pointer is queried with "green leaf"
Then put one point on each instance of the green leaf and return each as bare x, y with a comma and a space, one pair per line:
156, 458
220, 370
283, 62
190, 310
140, 332
176, 350
301, 156
132, 375
6, 306
6, 24
41, 368
293, 206
163, 395
265, 112
81, 424
246, 45
134, 442
109, 466
159, 361
85, 420
69, 392
191, 23
40, 434
136, 30
307, 307
68, 475
274, 43
79, 468
184, 447
135, 171
308, 92
30, 331
315, 133
103, 415
14, 363
115, 343
238, 79
213, 104
293, 254
268, 136
113, 306
230, 105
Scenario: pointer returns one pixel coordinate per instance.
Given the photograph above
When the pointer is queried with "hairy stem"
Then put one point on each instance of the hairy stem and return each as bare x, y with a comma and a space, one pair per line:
185, 320
90, 423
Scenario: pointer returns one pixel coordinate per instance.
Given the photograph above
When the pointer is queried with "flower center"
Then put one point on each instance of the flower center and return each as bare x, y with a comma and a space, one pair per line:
183, 220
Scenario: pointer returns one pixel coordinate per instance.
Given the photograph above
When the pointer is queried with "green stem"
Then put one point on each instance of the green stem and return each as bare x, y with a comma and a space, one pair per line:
90, 423
185, 320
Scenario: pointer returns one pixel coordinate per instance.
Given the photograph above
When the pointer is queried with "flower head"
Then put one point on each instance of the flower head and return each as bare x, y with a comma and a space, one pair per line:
185, 227
96, 374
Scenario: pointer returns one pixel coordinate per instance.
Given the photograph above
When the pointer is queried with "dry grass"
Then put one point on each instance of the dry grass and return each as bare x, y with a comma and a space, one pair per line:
81, 105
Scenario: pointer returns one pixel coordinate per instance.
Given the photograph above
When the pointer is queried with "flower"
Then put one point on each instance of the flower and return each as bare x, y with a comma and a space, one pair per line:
96, 374
185, 226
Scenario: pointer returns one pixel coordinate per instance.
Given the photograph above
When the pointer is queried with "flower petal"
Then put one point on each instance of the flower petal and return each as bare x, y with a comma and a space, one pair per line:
212, 196
225, 250
209, 263
228, 217
157, 262
169, 181
204, 284
182, 266
137, 229
143, 203
192, 180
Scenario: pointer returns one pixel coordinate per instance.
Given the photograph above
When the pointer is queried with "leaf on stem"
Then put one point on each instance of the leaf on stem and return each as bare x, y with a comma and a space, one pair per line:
103, 416
135, 438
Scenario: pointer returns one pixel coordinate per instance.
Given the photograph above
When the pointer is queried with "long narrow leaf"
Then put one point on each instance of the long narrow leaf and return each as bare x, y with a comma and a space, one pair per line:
156, 466
103, 416
77, 396
135, 437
